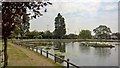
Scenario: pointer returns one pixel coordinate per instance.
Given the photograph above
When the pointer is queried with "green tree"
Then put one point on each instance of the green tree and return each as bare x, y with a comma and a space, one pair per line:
32, 35
24, 28
16, 32
12, 15
47, 35
102, 32
85, 34
60, 29
71, 36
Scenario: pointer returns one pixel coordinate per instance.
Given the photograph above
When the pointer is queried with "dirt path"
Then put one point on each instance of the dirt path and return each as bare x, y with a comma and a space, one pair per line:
32, 59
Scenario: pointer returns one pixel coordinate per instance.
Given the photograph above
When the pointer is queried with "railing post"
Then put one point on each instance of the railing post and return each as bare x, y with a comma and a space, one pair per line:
55, 58
47, 54
41, 51
67, 63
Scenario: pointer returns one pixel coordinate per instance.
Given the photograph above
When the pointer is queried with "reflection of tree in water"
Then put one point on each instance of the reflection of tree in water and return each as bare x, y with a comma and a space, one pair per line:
59, 60
102, 52
84, 49
60, 46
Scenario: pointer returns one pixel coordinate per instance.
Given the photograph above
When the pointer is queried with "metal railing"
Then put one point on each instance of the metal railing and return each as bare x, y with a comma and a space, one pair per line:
54, 55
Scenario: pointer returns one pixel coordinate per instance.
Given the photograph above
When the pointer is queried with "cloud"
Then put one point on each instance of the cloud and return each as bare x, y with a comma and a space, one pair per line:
80, 14
90, 7
108, 6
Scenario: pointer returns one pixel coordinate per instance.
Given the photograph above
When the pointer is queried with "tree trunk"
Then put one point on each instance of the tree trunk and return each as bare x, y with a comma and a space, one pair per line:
5, 53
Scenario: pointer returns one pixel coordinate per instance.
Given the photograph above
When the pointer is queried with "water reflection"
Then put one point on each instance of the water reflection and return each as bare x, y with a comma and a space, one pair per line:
102, 52
60, 60
59, 46
84, 49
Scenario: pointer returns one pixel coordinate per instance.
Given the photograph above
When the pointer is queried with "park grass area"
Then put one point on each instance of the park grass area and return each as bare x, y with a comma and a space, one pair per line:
97, 44
18, 58
1, 45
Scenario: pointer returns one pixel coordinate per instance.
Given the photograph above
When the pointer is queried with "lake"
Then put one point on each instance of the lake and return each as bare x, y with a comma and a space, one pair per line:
84, 55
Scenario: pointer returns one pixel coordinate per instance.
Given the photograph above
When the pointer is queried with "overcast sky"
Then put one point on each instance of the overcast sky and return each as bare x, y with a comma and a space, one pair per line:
79, 14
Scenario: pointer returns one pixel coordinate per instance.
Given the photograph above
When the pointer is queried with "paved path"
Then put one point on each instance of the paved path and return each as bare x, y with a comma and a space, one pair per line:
33, 58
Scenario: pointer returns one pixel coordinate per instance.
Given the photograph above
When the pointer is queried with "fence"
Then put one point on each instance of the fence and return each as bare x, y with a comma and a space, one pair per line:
47, 55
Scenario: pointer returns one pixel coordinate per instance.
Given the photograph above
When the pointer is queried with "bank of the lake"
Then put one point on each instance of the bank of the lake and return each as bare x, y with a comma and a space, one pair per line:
70, 40
81, 55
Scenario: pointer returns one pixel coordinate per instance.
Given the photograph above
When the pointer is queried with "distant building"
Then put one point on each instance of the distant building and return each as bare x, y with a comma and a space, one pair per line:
114, 37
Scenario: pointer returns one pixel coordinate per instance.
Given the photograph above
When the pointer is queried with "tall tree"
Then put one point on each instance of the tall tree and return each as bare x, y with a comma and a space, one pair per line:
12, 16
60, 29
85, 34
102, 31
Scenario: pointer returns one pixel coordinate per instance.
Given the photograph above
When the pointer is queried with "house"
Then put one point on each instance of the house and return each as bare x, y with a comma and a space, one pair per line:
114, 37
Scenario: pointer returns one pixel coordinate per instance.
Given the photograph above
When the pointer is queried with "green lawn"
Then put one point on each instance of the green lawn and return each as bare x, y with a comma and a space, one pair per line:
16, 54
17, 57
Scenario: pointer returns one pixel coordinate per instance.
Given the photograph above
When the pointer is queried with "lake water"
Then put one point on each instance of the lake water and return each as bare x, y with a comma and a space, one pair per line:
86, 56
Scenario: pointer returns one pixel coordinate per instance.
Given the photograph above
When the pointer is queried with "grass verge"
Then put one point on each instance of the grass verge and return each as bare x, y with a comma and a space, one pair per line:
16, 55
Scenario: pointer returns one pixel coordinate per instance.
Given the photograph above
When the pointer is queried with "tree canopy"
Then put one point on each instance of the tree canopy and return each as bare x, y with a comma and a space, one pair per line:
85, 34
60, 29
102, 31
15, 14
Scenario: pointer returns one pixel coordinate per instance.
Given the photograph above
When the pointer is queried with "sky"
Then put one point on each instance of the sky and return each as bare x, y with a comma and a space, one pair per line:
79, 15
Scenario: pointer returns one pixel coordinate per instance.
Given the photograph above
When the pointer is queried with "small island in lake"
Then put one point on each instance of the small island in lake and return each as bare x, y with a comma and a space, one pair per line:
97, 44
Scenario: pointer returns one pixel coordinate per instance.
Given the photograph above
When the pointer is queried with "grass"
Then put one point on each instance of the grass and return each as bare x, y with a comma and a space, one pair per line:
56, 64
1, 45
16, 55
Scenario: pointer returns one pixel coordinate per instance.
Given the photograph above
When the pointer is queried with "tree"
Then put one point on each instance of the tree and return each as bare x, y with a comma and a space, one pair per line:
102, 32
33, 34
16, 32
24, 28
71, 36
47, 35
12, 16
60, 29
85, 34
